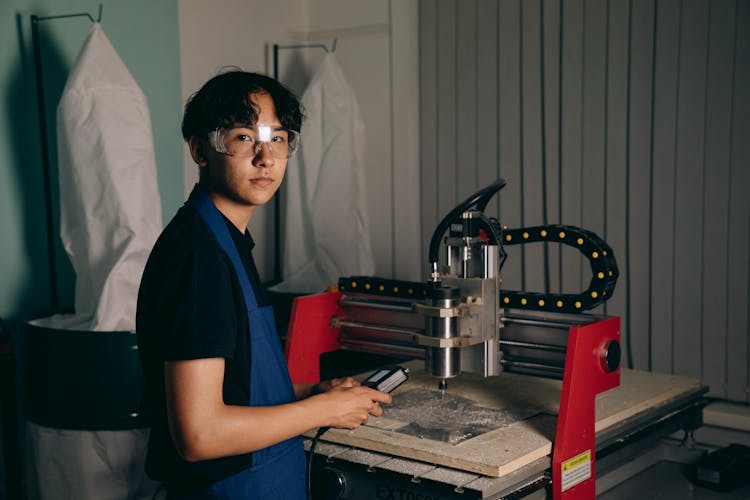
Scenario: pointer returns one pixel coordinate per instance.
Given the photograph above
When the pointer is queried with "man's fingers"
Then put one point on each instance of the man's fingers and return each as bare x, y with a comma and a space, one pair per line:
380, 397
376, 410
347, 382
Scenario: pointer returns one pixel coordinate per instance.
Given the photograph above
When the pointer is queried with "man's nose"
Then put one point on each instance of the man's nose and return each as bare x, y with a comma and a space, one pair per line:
263, 157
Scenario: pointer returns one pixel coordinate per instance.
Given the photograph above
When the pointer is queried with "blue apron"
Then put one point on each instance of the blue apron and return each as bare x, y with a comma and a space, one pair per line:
278, 472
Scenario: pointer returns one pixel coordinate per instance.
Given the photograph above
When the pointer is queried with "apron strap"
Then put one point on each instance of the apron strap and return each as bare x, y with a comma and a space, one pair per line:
202, 202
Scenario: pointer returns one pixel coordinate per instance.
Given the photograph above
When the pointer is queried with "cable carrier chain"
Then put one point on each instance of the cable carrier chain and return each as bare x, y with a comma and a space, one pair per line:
468, 227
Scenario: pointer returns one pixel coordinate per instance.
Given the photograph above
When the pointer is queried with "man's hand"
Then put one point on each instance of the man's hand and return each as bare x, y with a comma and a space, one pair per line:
327, 385
349, 406
305, 390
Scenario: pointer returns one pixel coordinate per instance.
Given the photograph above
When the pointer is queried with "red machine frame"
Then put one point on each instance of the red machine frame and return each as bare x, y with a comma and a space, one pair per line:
586, 374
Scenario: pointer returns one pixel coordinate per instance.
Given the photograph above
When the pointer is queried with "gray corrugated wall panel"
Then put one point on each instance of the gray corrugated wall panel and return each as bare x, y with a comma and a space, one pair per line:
487, 99
666, 72
738, 334
716, 170
573, 38
551, 13
509, 129
409, 262
379, 180
639, 178
594, 130
642, 136
616, 143
689, 187
466, 97
594, 76
447, 108
531, 143
428, 99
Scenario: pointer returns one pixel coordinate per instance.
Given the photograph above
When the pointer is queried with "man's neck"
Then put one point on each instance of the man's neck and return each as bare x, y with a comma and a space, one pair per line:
237, 213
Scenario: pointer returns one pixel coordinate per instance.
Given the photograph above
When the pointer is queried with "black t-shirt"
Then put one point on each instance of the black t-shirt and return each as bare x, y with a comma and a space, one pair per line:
190, 306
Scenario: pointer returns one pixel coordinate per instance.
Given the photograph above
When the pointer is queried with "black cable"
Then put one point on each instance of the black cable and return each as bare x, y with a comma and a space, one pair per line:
480, 199
314, 443
161, 487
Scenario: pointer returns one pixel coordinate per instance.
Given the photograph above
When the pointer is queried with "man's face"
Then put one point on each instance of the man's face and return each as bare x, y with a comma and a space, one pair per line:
248, 180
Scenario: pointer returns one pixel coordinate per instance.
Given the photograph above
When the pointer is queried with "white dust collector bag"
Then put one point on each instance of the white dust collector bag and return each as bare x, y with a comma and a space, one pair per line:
87, 465
110, 210
326, 230
110, 216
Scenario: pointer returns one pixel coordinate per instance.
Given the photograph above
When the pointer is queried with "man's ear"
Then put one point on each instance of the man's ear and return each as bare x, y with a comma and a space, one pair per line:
197, 150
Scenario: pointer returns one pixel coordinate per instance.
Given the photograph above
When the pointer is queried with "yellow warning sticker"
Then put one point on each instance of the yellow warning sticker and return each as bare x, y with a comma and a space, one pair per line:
576, 470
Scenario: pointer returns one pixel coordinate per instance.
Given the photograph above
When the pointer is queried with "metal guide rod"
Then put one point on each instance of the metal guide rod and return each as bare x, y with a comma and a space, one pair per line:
277, 198
54, 300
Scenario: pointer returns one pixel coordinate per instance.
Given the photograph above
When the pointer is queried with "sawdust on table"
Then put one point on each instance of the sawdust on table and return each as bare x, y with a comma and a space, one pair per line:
449, 417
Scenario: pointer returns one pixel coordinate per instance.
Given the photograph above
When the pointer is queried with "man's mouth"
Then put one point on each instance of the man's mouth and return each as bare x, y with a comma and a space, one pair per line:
261, 181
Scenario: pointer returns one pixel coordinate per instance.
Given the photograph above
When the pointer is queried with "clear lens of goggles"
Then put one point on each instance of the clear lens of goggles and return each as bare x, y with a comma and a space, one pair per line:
248, 141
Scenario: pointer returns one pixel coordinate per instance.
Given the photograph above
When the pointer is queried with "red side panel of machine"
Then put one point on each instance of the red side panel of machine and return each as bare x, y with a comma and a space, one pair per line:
591, 367
310, 335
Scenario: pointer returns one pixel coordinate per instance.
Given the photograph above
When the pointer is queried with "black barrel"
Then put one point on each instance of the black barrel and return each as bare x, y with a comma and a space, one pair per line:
83, 380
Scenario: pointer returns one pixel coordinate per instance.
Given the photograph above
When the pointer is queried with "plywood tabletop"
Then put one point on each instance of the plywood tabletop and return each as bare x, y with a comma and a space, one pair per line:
523, 411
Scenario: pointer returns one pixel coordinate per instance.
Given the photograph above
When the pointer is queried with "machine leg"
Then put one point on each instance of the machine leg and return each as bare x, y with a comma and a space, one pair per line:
589, 370
688, 440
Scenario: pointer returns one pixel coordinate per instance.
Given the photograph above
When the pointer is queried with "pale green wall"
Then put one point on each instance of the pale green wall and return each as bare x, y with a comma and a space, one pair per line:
146, 36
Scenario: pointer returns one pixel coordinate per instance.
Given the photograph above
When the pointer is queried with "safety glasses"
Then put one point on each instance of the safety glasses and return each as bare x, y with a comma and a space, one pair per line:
249, 141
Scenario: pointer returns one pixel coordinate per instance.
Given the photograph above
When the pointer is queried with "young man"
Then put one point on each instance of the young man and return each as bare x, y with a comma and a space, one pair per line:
226, 417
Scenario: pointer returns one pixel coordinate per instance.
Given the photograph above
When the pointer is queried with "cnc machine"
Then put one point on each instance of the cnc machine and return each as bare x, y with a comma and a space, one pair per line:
500, 348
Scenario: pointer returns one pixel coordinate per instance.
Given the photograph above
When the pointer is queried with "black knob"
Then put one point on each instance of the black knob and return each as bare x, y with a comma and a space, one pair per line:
611, 355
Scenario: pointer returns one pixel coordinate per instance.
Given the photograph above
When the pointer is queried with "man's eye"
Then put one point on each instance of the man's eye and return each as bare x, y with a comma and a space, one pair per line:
279, 138
244, 138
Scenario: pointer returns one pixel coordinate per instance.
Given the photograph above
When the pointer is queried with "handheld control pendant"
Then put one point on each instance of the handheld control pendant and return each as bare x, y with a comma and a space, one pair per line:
387, 379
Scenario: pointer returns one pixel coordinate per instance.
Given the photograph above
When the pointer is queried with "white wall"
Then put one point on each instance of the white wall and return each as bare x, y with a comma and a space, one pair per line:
376, 45
235, 33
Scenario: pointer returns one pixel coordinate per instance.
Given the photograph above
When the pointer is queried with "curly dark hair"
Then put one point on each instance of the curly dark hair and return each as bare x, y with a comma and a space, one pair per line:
224, 101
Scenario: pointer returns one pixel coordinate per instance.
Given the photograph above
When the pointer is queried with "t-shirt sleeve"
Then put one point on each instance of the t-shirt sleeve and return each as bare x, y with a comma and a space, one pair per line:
196, 307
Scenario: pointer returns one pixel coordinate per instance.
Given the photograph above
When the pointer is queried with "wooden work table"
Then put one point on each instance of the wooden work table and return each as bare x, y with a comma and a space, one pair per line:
527, 407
